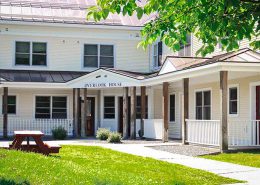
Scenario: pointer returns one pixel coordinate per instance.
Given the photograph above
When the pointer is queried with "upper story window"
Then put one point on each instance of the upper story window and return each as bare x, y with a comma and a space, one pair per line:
185, 48
203, 105
157, 55
31, 53
96, 55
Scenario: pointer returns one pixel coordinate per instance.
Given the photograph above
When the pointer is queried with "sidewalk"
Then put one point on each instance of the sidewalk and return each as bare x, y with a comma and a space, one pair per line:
249, 174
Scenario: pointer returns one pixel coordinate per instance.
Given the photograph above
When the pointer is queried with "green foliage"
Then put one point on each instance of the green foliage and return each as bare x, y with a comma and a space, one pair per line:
211, 21
102, 134
59, 133
96, 165
248, 158
114, 137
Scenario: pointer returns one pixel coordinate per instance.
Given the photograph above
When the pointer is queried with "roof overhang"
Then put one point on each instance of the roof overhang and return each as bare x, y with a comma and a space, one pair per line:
102, 78
89, 26
202, 71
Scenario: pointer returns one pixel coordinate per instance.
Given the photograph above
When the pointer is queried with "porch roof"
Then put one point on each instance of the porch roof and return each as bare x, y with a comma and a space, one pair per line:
176, 63
39, 76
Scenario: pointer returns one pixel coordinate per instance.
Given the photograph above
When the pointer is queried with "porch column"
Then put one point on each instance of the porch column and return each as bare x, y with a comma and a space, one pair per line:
5, 115
76, 112
133, 112
223, 111
84, 120
185, 113
79, 111
125, 112
143, 107
165, 111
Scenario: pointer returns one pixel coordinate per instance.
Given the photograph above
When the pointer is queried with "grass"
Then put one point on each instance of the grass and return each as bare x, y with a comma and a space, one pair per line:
98, 166
247, 158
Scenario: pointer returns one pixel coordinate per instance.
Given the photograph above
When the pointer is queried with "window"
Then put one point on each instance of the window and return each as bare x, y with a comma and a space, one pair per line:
11, 105
172, 108
233, 100
59, 107
109, 107
47, 107
203, 105
186, 47
31, 53
138, 107
157, 54
98, 55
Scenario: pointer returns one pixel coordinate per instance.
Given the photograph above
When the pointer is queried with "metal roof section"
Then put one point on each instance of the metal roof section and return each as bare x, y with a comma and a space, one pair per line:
39, 76
62, 11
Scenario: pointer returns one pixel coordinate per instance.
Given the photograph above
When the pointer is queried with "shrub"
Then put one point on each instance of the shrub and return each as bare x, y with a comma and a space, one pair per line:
59, 133
102, 134
114, 137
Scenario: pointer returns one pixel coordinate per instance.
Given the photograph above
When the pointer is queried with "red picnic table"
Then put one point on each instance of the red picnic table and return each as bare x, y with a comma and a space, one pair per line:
39, 146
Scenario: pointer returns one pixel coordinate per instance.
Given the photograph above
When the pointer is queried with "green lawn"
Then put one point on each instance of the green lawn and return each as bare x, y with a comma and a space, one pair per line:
96, 165
249, 158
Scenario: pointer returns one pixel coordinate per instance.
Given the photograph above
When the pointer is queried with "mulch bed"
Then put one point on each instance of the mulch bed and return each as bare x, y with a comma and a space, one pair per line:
189, 150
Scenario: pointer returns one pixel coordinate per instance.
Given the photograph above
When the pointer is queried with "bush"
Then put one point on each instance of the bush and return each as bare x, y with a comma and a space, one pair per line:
102, 134
114, 137
140, 133
59, 133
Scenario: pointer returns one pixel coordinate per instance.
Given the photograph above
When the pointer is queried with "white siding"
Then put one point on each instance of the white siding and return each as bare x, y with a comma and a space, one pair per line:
65, 46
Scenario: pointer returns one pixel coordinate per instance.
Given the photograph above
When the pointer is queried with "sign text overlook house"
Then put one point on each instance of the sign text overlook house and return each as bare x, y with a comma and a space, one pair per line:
103, 85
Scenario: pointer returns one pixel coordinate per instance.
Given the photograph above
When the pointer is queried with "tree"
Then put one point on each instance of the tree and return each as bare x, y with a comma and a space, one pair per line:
211, 21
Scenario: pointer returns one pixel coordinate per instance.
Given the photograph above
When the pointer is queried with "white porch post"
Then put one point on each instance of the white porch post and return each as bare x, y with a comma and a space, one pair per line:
223, 111
84, 120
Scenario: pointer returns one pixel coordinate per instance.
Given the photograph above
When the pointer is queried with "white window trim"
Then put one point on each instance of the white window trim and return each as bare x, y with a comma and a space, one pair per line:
98, 44
191, 47
52, 95
110, 107
238, 99
211, 103
174, 108
16, 106
155, 63
30, 65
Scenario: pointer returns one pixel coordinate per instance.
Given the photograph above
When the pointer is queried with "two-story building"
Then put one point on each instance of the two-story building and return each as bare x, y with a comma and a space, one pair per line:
58, 69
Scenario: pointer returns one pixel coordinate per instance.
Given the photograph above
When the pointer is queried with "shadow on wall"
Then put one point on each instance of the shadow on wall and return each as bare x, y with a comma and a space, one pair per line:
4, 181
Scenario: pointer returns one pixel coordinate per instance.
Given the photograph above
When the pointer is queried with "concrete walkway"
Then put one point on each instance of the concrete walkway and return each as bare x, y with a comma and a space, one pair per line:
249, 174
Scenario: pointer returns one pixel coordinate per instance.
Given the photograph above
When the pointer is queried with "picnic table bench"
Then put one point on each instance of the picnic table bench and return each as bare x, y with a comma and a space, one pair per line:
39, 146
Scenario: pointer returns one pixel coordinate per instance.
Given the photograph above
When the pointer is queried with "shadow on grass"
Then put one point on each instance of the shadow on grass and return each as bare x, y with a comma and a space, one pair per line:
4, 181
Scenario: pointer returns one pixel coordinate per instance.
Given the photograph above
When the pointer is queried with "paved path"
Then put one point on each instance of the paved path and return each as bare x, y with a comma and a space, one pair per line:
249, 174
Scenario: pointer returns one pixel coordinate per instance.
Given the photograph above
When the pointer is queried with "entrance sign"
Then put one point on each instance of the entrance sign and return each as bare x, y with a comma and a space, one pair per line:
103, 85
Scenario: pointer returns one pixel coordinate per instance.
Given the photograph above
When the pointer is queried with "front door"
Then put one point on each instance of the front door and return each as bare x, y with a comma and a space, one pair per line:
90, 121
257, 102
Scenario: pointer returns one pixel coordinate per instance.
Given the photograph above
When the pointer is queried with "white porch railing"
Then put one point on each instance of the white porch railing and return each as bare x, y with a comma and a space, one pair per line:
44, 125
244, 133
203, 131
240, 133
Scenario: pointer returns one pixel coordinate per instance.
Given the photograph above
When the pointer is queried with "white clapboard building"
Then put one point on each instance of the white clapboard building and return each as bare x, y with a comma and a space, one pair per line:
57, 68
